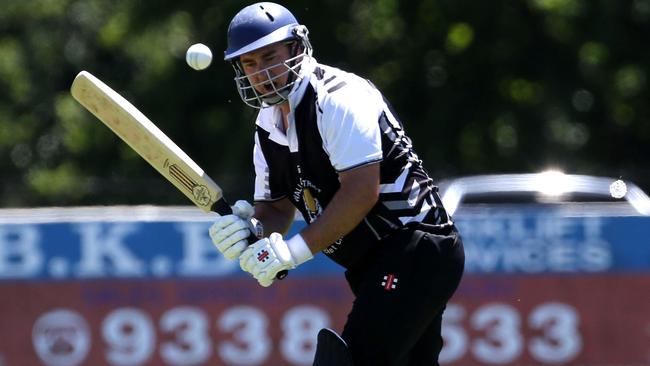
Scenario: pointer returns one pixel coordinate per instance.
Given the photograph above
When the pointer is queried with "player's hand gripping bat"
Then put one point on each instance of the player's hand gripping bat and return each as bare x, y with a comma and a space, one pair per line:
152, 144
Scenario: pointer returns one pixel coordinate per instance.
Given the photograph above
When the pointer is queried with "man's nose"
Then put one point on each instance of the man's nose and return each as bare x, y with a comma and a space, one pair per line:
261, 75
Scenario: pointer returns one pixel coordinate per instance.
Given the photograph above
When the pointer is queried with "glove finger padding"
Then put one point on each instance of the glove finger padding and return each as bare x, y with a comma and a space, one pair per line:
226, 226
221, 222
229, 234
236, 234
270, 270
248, 259
235, 250
244, 257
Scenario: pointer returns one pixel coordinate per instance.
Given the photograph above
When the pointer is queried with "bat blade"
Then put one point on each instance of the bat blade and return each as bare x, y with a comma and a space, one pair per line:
142, 135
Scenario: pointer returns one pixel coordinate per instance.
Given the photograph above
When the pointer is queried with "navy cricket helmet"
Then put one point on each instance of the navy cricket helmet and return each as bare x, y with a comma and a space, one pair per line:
257, 26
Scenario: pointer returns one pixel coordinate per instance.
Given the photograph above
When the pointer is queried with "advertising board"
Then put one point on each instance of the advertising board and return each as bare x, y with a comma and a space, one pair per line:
125, 287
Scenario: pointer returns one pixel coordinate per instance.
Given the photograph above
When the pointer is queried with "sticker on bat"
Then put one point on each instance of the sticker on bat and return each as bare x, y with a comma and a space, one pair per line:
200, 192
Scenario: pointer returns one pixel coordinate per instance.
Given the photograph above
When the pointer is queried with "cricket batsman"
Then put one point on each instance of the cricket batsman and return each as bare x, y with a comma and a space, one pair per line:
328, 144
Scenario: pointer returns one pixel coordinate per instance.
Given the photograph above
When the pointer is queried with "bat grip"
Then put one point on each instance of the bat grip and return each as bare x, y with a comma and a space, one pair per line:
223, 208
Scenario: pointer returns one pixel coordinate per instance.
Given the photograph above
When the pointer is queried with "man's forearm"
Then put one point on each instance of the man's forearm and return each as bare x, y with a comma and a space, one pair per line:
357, 195
343, 214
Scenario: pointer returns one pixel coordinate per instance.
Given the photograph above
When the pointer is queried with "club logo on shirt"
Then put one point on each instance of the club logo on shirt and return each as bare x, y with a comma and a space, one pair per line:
304, 192
311, 203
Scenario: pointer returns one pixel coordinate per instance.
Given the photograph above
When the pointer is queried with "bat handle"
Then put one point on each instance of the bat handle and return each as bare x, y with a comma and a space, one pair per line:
223, 208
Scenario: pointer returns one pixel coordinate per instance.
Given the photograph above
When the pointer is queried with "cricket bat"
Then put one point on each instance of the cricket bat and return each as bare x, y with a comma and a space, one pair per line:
142, 135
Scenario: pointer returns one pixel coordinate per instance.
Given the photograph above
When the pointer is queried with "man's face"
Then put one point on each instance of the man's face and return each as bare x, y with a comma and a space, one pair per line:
271, 57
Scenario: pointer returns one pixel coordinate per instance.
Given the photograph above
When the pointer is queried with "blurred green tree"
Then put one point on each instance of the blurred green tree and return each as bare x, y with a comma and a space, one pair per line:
491, 86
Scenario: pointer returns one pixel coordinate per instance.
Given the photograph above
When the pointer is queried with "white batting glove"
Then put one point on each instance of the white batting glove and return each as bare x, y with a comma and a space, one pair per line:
229, 233
265, 258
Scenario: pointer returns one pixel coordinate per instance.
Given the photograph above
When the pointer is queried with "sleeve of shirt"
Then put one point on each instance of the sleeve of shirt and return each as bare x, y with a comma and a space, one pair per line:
262, 187
350, 130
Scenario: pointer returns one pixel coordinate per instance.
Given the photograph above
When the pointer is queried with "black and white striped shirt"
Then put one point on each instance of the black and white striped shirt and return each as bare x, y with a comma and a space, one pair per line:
339, 121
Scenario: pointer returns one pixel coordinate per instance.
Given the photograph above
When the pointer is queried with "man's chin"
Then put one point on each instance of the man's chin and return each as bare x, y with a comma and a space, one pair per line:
273, 99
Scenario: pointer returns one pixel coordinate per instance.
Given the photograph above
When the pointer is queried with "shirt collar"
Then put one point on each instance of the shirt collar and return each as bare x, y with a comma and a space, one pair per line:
267, 118
306, 70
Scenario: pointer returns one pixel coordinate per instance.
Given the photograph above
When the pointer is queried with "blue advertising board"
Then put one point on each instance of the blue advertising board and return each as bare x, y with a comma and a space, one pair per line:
144, 285
495, 241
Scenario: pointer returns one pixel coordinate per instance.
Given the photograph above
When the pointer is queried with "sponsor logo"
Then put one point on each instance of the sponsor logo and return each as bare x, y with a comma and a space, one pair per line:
333, 247
390, 282
262, 256
61, 338
200, 192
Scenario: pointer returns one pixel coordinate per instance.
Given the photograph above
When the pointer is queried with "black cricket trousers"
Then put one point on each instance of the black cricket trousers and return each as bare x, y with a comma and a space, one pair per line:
401, 291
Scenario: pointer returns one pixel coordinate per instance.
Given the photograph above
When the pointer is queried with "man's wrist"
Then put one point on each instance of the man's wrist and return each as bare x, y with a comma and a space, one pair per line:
299, 249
